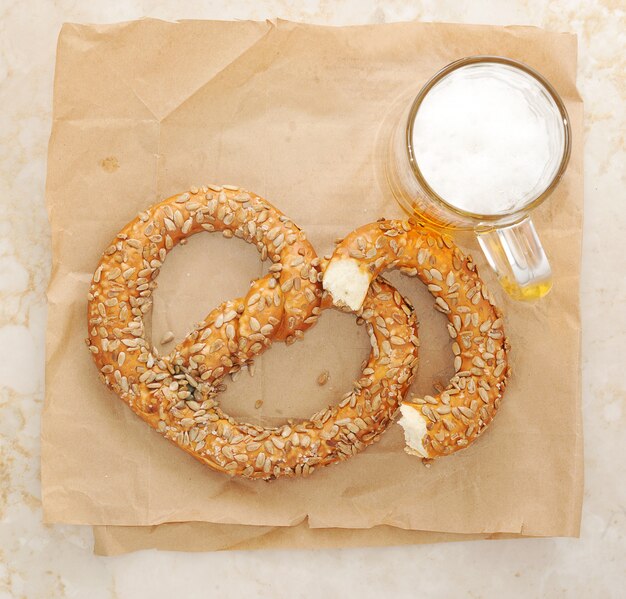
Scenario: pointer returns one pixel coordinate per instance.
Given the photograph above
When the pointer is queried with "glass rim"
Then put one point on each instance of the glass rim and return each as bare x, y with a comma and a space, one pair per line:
444, 72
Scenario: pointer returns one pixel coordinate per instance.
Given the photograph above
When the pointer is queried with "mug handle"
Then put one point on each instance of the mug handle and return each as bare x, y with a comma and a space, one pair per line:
516, 255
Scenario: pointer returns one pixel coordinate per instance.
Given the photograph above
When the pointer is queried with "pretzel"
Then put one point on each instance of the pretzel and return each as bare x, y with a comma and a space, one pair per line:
176, 394
444, 423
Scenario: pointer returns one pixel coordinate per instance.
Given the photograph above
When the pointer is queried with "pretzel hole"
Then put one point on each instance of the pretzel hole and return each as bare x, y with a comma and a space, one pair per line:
285, 377
435, 352
195, 278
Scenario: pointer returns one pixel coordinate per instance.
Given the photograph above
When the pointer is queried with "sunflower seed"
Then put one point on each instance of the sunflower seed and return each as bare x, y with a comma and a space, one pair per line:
467, 412
260, 460
278, 443
483, 395
499, 369
428, 413
116, 272
436, 274
442, 304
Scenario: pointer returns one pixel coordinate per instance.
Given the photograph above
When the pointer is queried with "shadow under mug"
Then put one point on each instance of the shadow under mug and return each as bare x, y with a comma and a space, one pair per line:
508, 239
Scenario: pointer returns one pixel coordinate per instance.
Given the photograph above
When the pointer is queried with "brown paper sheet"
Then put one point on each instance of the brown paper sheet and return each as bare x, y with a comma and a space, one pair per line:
145, 109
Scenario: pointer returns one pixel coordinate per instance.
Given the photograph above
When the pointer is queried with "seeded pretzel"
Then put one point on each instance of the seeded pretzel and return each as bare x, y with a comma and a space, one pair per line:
444, 423
175, 394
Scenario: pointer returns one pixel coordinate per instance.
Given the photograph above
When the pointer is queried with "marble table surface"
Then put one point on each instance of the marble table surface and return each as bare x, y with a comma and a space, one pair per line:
57, 561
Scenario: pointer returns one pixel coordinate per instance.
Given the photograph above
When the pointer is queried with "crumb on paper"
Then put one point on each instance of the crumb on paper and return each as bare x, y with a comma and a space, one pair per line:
258, 403
322, 379
110, 164
168, 337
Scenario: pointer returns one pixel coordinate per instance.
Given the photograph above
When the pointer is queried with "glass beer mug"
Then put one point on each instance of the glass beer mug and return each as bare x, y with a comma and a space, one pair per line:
485, 142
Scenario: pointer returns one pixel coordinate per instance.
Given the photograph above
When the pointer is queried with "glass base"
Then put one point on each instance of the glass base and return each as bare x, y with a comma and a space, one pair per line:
528, 293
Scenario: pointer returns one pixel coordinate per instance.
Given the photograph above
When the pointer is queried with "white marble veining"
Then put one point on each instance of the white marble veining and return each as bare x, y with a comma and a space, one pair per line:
56, 561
